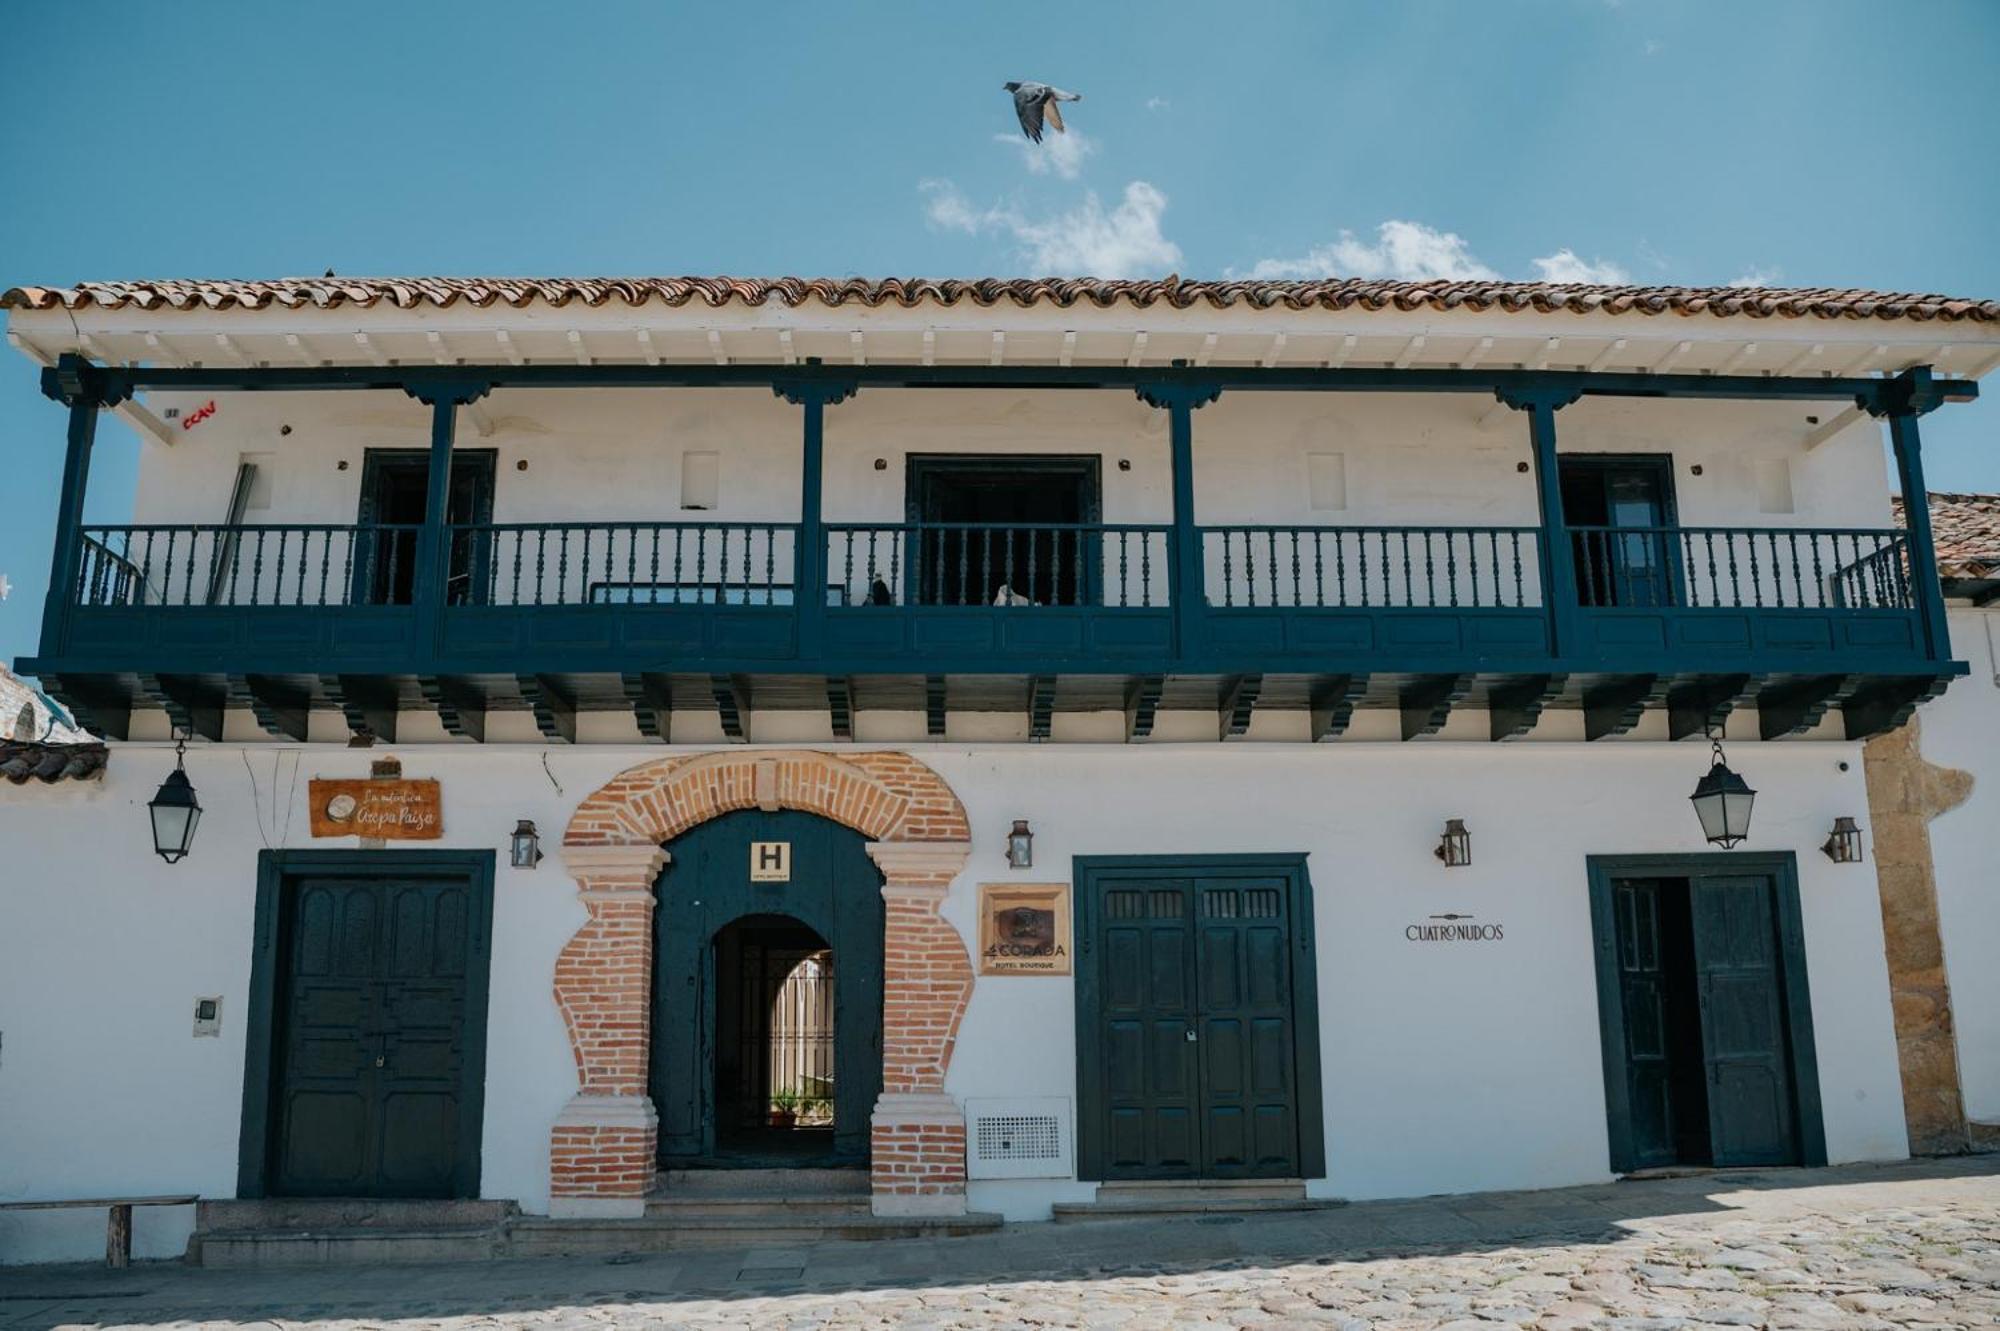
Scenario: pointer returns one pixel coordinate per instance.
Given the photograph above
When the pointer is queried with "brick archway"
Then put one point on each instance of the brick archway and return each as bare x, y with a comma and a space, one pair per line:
602, 1148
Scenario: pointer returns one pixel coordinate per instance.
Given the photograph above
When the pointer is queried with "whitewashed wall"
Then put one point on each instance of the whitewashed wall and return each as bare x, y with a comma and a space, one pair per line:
1962, 730
1447, 1067
613, 455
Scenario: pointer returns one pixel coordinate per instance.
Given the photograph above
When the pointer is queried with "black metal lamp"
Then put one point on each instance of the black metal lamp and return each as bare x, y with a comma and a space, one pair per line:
1844, 845
1020, 846
1722, 801
525, 846
1455, 846
175, 809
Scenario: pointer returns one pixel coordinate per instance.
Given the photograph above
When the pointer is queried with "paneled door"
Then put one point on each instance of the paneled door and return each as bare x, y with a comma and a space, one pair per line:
1751, 1115
1705, 1011
371, 1035
1190, 1029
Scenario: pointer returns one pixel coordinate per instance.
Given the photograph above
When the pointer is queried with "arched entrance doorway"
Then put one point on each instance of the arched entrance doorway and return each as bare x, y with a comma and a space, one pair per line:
730, 946
604, 1145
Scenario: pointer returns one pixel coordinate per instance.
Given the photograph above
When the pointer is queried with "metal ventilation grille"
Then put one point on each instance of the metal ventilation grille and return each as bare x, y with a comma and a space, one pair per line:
1018, 1138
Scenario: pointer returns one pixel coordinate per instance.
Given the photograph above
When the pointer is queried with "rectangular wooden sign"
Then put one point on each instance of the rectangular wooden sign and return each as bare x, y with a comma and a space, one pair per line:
391, 810
1024, 929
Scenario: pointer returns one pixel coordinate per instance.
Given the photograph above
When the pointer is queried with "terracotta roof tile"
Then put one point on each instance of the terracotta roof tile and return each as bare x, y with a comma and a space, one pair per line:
37, 742
1966, 528
1174, 292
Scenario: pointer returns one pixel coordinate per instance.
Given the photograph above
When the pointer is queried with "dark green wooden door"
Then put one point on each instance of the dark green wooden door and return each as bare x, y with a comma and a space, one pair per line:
1642, 983
1193, 1026
836, 891
1151, 1066
1752, 1113
373, 1029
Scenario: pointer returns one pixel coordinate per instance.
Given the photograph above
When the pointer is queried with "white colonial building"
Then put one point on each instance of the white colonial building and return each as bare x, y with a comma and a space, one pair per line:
992, 749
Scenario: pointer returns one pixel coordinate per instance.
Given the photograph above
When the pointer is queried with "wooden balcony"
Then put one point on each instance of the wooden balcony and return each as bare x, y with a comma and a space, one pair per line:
558, 618
649, 618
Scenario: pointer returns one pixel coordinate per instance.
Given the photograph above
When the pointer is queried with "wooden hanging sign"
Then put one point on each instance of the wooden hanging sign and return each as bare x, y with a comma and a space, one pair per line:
394, 810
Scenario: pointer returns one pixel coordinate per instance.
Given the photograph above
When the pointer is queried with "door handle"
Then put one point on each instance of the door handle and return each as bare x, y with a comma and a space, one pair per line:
1191, 1036
380, 1060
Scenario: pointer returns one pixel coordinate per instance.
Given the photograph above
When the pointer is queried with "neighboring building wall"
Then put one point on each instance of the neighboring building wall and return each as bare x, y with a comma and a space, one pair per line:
1446, 1067
1962, 730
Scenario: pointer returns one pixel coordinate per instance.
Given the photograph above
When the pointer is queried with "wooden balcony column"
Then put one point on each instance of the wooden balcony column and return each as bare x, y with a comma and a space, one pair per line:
433, 557
1558, 560
77, 384
1902, 400
1187, 578
813, 396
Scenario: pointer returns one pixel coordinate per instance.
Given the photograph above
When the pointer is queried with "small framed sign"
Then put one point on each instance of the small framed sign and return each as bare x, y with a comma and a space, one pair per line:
770, 861
1024, 929
391, 809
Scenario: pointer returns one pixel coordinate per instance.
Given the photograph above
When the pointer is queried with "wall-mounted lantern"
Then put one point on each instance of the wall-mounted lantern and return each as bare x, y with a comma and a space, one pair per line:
1020, 846
1844, 845
525, 846
175, 809
1455, 846
1722, 801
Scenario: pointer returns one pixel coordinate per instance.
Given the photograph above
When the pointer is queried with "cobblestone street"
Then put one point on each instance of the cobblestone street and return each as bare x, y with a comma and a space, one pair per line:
1857, 1247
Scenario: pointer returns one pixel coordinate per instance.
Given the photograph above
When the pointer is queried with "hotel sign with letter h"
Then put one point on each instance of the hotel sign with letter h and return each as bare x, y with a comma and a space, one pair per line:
770, 861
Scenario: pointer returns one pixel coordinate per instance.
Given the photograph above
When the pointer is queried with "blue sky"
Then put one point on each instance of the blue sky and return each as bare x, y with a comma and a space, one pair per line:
1816, 142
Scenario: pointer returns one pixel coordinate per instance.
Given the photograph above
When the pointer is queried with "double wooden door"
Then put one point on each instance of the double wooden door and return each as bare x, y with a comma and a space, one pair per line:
375, 1069
1709, 1027
1190, 1024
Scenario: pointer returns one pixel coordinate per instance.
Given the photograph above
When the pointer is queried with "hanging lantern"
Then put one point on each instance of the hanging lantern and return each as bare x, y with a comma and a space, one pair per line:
1722, 801
1020, 846
1455, 846
1844, 845
175, 809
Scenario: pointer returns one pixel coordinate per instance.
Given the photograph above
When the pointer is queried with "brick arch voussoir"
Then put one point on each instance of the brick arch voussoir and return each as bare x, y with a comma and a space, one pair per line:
886, 796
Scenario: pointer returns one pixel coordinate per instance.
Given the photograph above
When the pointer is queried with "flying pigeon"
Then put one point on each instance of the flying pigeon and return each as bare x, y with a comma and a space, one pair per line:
1034, 100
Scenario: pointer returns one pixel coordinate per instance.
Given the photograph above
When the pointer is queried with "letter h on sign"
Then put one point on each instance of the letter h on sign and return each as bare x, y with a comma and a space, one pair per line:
770, 861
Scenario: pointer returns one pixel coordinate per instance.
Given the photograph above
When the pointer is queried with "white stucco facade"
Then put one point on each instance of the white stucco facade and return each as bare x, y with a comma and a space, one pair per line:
1446, 1066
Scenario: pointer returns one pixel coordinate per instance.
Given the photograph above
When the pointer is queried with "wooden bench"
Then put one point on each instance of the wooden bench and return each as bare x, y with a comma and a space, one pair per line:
117, 1229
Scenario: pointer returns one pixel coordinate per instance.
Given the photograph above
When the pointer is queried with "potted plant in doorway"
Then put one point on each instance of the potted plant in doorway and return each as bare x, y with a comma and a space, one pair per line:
784, 1109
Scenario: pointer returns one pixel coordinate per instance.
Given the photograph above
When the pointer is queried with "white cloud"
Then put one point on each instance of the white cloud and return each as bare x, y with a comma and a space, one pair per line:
1566, 266
1086, 241
1157, 103
1409, 251
1061, 154
1757, 277
1654, 46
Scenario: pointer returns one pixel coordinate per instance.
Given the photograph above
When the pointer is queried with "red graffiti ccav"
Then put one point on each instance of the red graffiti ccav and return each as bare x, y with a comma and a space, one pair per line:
198, 415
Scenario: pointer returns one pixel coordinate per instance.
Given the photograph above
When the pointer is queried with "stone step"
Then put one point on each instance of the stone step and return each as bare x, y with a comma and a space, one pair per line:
1182, 1190
369, 1245
1166, 1199
690, 1207
331, 1213
762, 1182
534, 1236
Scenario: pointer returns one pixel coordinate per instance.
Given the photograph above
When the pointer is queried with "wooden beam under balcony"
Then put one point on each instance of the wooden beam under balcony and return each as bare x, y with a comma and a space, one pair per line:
1426, 702
1514, 706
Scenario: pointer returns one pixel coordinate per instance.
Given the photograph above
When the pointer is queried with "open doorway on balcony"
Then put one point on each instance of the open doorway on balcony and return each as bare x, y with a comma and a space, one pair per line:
395, 484
1619, 508
1003, 529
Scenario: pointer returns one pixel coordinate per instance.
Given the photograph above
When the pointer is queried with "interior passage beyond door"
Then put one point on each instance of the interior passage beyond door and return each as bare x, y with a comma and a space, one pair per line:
1188, 1024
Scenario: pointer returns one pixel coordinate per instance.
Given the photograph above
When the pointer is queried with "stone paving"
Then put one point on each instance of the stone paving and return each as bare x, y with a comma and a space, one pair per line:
1913, 1245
